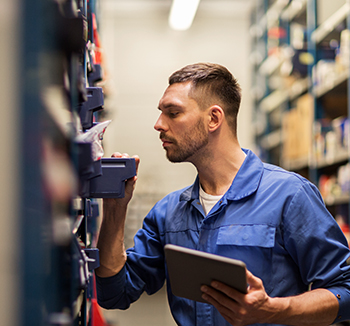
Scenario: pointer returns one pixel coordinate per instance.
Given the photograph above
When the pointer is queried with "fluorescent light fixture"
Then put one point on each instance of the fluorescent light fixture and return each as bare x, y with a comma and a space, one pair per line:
182, 13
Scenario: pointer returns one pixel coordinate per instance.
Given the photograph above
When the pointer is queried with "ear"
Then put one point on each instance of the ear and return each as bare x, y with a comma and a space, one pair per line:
216, 117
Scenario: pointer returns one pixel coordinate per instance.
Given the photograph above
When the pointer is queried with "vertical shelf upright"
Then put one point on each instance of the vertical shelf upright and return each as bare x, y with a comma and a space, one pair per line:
331, 126
58, 219
63, 173
273, 93
47, 181
302, 94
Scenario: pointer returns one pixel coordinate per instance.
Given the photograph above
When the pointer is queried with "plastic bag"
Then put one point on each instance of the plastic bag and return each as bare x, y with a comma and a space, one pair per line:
94, 136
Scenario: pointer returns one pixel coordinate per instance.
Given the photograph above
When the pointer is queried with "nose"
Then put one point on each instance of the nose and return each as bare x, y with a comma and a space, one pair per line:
160, 124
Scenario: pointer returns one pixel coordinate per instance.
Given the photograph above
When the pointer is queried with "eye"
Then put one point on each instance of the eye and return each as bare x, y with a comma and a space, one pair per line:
174, 114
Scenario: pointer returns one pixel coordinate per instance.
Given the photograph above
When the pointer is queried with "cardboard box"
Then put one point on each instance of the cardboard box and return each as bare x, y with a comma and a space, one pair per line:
297, 129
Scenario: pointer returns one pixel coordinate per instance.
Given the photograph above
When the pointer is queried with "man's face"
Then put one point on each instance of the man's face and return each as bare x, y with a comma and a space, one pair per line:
181, 124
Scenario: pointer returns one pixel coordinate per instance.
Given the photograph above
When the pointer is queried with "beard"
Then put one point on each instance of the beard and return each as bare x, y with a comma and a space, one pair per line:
190, 143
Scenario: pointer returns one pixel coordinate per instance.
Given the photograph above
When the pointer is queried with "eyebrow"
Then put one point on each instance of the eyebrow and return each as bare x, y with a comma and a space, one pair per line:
170, 105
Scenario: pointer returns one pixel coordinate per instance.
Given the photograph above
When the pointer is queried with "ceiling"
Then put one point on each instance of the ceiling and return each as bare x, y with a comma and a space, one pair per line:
207, 7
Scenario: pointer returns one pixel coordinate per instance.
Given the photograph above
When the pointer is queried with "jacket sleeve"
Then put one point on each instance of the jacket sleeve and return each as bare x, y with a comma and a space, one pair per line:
144, 269
318, 246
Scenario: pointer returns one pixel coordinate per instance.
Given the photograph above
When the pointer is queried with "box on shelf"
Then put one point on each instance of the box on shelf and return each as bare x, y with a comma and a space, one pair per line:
343, 54
297, 129
337, 184
331, 138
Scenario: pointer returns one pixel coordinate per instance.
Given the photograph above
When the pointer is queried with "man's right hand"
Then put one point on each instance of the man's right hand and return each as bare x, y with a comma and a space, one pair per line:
130, 183
111, 238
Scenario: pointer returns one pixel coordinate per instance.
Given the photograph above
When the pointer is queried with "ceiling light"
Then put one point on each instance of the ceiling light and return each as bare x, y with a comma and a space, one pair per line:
182, 13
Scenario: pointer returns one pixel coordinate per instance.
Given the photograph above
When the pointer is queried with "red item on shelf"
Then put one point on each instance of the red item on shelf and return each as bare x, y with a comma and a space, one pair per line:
98, 53
97, 318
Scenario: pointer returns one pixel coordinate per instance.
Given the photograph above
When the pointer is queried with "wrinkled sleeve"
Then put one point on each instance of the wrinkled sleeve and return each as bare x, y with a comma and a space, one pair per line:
318, 246
144, 270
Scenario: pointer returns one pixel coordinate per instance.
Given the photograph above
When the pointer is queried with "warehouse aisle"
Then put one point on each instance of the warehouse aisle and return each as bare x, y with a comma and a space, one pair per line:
147, 311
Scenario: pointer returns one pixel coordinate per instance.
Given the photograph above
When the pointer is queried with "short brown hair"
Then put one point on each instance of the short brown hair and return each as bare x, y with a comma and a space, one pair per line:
212, 84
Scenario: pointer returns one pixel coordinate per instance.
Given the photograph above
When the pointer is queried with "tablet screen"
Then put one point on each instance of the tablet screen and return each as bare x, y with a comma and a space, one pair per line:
190, 269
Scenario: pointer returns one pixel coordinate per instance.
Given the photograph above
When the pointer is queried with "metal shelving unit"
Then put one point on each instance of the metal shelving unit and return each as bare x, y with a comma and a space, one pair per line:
302, 95
60, 98
302, 105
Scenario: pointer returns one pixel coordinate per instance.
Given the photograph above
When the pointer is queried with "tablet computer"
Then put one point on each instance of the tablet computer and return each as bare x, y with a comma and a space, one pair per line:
190, 269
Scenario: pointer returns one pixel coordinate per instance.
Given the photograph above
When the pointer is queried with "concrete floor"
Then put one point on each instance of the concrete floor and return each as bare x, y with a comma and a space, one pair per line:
147, 311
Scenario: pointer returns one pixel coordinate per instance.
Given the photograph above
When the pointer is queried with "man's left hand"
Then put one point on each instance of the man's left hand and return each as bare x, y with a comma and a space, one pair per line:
237, 308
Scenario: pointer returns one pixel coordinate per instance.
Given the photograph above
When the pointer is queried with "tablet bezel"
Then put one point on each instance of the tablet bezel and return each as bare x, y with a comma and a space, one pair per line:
188, 269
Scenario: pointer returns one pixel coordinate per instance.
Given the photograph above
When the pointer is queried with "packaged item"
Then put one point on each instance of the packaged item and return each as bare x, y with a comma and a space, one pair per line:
94, 136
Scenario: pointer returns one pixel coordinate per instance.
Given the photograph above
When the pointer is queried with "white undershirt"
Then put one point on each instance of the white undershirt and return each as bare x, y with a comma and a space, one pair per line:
207, 201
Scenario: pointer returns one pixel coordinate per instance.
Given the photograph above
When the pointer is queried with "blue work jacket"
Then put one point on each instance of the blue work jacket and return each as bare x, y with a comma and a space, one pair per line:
273, 220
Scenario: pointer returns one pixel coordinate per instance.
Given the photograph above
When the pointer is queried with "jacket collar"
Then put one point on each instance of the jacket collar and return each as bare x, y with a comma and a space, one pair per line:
245, 183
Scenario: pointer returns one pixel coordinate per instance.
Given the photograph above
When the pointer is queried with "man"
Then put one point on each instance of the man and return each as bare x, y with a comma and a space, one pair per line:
238, 207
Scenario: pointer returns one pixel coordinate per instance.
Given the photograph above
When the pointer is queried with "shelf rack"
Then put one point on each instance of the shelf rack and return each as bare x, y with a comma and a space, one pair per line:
301, 92
61, 180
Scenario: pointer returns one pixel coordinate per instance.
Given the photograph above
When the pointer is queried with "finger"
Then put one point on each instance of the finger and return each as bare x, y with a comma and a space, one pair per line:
130, 184
126, 155
228, 291
227, 312
129, 188
119, 155
137, 162
253, 281
219, 295
229, 318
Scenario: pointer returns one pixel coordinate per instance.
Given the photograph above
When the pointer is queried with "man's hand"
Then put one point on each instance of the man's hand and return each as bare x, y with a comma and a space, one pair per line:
238, 308
130, 183
317, 307
111, 237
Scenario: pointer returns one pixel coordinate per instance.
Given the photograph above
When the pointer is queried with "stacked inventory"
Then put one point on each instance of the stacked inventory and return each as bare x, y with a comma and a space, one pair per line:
64, 173
300, 56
